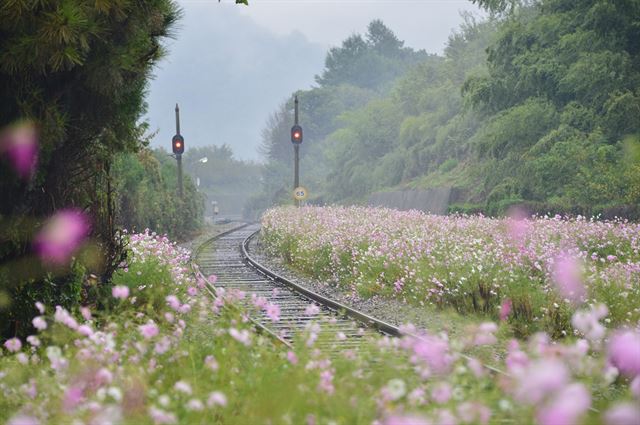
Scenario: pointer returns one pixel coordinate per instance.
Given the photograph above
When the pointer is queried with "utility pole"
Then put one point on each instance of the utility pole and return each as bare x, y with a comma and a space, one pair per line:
296, 139
178, 150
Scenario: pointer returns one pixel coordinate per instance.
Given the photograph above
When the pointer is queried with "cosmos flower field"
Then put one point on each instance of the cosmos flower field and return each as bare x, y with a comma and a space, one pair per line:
163, 351
532, 273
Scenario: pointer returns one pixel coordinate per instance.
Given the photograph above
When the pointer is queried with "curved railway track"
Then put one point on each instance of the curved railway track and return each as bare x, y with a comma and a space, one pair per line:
227, 256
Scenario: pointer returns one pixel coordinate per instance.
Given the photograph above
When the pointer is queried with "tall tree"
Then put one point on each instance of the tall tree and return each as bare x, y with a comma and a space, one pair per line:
78, 69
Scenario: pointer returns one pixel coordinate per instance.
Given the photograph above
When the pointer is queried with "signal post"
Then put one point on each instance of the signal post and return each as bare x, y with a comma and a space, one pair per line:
177, 144
296, 139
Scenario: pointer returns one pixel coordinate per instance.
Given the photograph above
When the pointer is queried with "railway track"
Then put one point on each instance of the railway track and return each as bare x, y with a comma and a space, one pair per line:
227, 256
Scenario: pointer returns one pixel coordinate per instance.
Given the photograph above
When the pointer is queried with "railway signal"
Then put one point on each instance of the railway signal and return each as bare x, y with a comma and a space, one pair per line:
296, 134
177, 144
296, 139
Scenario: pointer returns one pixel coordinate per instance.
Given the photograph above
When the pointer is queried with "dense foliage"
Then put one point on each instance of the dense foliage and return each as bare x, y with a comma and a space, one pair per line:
77, 72
147, 195
167, 353
537, 105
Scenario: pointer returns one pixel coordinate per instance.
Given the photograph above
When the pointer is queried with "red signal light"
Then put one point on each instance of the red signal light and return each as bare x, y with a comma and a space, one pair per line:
177, 143
296, 134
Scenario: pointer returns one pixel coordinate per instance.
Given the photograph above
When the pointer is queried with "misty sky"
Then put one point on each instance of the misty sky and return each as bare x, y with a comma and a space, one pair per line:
231, 65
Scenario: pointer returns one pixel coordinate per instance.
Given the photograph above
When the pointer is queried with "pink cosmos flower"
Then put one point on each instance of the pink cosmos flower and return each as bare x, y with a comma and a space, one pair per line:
587, 322
149, 330
192, 291
541, 379
417, 396
195, 405
22, 358
86, 313
33, 340
273, 311
291, 356
406, 420
212, 278
505, 309
216, 398
242, 336
103, 377
39, 323
63, 316
40, 307
259, 302
566, 407
211, 363
19, 144
162, 346
484, 335
60, 236
173, 302
85, 330
13, 345
476, 367
32, 389
567, 275
73, 396
434, 351
311, 310
441, 393
623, 414
474, 413
120, 292
183, 387
326, 381
21, 419
624, 352
446, 417
161, 417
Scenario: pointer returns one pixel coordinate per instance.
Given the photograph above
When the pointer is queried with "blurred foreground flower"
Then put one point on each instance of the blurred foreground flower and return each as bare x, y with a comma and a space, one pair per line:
21, 419
120, 291
19, 143
13, 345
624, 352
406, 420
61, 236
567, 275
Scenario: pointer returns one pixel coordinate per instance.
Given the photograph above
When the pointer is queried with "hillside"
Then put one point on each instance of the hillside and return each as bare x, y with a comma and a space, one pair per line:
523, 108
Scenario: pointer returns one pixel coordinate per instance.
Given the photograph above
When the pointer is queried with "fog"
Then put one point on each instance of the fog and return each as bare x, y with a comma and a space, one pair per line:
230, 66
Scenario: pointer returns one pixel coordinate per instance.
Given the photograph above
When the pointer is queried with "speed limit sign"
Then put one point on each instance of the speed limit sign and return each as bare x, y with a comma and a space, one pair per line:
300, 193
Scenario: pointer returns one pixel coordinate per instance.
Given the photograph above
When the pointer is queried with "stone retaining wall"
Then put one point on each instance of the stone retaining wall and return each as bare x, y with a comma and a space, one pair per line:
435, 201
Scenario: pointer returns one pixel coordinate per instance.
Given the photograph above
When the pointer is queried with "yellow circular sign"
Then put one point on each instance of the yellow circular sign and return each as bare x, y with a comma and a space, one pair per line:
300, 193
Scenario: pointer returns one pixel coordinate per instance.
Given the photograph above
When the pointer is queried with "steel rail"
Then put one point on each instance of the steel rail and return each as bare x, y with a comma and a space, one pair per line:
381, 326
211, 289
332, 305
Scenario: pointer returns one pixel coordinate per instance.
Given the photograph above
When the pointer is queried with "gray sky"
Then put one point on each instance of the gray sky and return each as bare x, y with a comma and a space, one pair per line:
423, 24
231, 65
